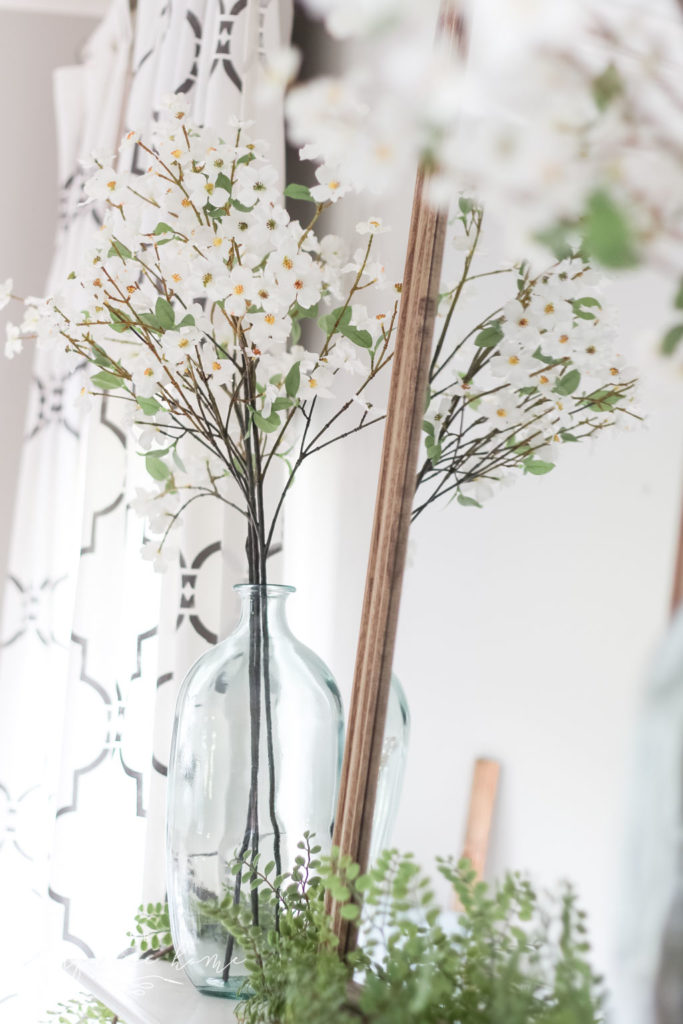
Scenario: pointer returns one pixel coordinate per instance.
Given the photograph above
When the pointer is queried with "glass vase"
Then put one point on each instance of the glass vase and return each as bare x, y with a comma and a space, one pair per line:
255, 762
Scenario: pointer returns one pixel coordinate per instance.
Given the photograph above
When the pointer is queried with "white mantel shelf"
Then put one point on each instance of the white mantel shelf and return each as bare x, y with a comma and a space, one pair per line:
149, 992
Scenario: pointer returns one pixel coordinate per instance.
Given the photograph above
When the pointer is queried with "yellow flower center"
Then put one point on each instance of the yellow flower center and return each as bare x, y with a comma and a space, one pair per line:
613, 370
183, 343
176, 277
334, 185
269, 318
563, 339
215, 366
177, 153
513, 360
549, 308
186, 202
149, 372
287, 263
501, 412
238, 289
298, 284
111, 185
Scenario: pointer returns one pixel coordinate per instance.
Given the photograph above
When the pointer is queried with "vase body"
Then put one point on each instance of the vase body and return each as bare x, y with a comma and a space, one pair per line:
255, 763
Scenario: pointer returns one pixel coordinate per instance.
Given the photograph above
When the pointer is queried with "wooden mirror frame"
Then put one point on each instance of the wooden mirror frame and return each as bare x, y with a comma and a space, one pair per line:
393, 507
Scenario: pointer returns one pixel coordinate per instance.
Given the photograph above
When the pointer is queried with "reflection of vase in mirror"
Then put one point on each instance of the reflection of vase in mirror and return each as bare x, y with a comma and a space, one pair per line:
392, 768
254, 764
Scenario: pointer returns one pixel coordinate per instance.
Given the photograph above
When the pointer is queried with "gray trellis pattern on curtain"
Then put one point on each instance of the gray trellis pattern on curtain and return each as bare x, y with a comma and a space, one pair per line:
93, 643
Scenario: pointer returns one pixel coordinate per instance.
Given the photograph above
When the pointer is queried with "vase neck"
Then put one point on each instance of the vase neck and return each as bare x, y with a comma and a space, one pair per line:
254, 595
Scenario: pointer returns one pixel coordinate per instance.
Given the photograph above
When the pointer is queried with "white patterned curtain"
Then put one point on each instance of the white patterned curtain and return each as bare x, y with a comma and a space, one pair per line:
93, 643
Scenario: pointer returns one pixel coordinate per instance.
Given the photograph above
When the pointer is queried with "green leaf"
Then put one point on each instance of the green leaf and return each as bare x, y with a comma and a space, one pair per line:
296, 332
239, 206
102, 359
107, 381
162, 228
293, 380
299, 192
187, 321
607, 233
578, 307
119, 322
678, 301
120, 250
150, 320
281, 403
361, 338
302, 313
568, 383
266, 424
464, 500
164, 314
566, 436
328, 321
537, 467
465, 204
149, 406
433, 452
350, 912
548, 360
490, 336
672, 339
603, 400
607, 86
157, 469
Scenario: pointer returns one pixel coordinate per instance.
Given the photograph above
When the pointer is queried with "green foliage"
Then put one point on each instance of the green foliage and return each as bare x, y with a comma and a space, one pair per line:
607, 232
490, 336
568, 383
299, 192
339, 322
512, 958
152, 929
607, 86
672, 339
107, 381
470, 502
537, 467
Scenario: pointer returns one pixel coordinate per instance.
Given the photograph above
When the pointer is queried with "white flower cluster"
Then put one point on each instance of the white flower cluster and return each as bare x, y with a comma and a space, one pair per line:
191, 304
543, 107
546, 373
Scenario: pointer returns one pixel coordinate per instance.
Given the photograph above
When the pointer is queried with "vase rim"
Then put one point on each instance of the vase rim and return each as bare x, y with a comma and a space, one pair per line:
270, 588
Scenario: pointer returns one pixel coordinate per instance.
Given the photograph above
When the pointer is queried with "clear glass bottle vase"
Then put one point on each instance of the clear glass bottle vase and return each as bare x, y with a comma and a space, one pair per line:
255, 762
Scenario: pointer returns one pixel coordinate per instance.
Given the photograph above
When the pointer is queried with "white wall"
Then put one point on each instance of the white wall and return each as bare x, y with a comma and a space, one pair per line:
31, 46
